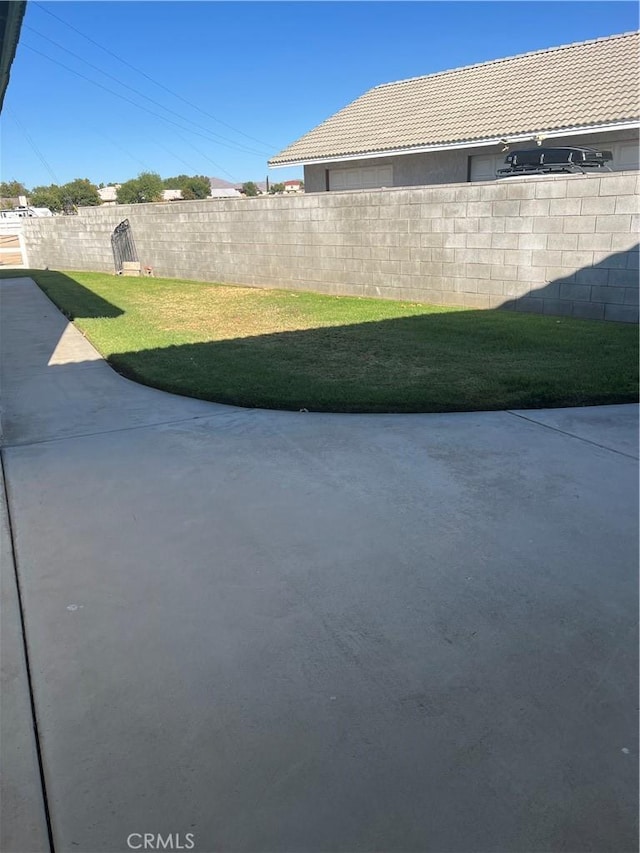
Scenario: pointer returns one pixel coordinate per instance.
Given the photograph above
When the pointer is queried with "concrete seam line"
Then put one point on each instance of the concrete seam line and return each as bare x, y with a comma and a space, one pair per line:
171, 422
34, 721
117, 429
572, 435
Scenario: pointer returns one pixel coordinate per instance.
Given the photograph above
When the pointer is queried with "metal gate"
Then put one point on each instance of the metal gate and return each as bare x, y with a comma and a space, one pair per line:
122, 244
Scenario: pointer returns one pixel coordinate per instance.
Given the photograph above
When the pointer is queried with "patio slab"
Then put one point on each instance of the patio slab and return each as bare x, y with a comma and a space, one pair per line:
280, 631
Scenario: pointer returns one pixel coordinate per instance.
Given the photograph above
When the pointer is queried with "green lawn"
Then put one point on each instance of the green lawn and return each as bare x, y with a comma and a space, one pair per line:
279, 349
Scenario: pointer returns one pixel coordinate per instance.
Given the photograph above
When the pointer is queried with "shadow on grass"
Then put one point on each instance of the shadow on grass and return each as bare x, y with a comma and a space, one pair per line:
462, 360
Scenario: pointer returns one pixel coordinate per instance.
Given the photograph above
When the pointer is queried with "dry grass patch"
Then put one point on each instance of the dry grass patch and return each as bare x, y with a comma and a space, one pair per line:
218, 312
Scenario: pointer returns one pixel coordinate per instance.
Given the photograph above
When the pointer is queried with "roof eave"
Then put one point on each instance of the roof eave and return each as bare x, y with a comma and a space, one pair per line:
9, 41
531, 136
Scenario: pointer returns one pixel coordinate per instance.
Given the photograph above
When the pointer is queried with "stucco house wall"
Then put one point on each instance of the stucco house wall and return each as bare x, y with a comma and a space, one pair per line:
449, 167
409, 170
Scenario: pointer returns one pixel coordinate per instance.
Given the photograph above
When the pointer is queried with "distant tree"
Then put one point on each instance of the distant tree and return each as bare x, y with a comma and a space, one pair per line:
12, 189
301, 185
192, 186
81, 193
129, 192
146, 187
175, 183
196, 187
250, 188
50, 197
276, 188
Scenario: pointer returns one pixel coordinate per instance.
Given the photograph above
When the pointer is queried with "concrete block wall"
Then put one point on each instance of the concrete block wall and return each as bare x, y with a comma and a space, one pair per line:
556, 245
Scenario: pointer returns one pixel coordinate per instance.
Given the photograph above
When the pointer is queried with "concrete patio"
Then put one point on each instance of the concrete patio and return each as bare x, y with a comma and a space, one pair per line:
302, 633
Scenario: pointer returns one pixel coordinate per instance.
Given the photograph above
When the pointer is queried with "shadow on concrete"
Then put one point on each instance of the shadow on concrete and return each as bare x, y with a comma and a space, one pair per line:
70, 297
458, 360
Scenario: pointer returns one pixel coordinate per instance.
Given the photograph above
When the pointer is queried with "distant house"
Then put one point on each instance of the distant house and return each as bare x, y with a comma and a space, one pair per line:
108, 195
293, 186
171, 195
229, 192
455, 126
224, 189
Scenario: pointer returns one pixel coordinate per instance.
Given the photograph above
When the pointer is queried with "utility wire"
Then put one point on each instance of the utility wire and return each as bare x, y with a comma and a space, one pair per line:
134, 103
176, 156
206, 157
155, 82
39, 154
100, 133
140, 94
131, 88
140, 106
103, 135
163, 118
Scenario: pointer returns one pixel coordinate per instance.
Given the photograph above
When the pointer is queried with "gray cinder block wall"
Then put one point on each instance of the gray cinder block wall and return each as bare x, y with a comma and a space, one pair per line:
557, 245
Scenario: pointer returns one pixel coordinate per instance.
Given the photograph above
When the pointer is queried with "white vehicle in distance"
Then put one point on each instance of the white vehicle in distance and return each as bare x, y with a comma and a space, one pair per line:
25, 212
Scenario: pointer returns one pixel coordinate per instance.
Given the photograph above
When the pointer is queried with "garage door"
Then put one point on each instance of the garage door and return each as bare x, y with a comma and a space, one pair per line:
626, 155
485, 166
361, 178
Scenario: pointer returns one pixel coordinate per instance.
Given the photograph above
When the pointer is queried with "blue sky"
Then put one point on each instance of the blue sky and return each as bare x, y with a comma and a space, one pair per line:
270, 71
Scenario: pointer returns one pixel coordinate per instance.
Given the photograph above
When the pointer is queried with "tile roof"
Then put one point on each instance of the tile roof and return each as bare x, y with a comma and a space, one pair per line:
586, 84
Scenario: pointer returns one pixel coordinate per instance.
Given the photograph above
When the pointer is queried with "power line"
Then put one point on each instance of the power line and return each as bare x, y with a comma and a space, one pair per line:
140, 94
206, 157
175, 156
137, 105
39, 154
151, 112
157, 103
103, 135
155, 82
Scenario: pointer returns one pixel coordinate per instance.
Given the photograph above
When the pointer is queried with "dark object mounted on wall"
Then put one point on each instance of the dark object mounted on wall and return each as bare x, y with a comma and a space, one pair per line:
123, 246
68, 207
543, 161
